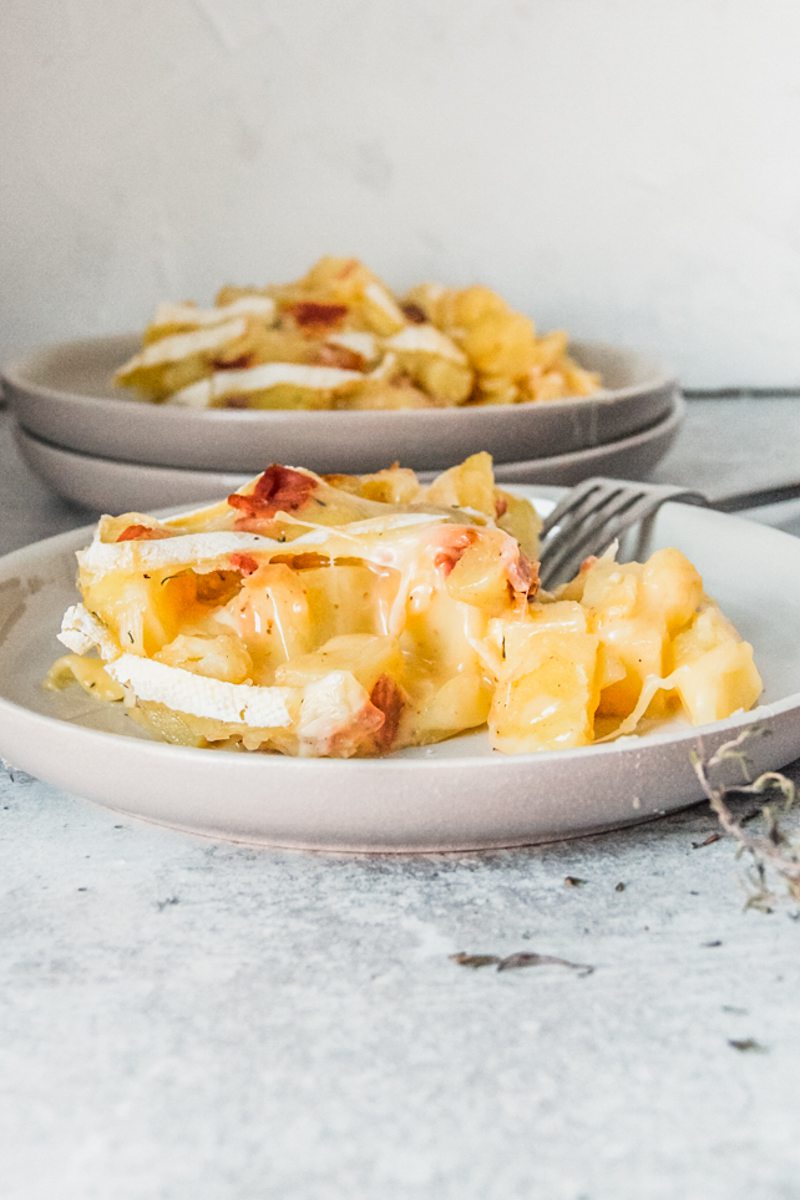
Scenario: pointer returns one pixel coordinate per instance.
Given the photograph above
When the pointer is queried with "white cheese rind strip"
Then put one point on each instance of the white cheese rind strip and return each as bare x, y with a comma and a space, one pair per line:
198, 550
200, 696
425, 339
365, 345
185, 549
184, 345
81, 632
188, 314
260, 379
382, 300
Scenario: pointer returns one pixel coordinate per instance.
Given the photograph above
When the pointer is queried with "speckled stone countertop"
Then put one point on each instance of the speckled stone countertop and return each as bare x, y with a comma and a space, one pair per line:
189, 1020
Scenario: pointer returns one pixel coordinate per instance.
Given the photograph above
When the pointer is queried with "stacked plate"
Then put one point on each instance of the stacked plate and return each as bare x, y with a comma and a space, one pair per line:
98, 447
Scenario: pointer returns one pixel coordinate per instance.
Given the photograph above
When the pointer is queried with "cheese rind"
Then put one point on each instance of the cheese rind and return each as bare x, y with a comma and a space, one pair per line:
202, 551
200, 696
205, 392
425, 339
185, 345
190, 315
365, 345
81, 632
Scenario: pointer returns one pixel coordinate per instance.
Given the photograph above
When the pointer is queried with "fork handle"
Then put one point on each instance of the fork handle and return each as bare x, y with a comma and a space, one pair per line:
760, 498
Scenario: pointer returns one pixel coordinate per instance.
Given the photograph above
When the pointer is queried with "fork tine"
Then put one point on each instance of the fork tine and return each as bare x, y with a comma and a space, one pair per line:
638, 513
565, 553
592, 515
572, 502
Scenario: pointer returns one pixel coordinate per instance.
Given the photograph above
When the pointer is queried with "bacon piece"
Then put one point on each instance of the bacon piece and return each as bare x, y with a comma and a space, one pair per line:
452, 549
346, 741
340, 356
523, 575
141, 533
310, 314
279, 489
244, 563
414, 313
388, 699
500, 506
588, 563
240, 363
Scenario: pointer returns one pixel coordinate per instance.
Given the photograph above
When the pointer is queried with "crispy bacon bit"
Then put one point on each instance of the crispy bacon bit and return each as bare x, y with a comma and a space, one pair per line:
414, 313
244, 563
500, 506
388, 698
310, 313
451, 551
141, 533
523, 575
279, 489
339, 356
588, 563
240, 363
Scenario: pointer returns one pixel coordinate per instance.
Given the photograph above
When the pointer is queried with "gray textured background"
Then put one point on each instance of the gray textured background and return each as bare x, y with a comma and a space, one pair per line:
626, 170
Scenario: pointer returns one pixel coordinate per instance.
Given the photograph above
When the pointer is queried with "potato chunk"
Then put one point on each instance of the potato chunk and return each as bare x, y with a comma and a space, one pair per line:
480, 576
547, 696
626, 608
549, 702
461, 703
218, 657
365, 656
672, 586
715, 674
470, 484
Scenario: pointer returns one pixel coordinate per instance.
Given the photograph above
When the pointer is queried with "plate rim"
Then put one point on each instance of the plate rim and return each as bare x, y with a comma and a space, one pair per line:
13, 376
664, 424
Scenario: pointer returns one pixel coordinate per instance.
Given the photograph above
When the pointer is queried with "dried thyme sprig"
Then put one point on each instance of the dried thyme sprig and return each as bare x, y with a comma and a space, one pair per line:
772, 850
520, 959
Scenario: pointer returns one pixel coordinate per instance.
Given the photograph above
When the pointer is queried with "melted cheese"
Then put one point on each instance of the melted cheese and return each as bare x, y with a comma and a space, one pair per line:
390, 626
90, 673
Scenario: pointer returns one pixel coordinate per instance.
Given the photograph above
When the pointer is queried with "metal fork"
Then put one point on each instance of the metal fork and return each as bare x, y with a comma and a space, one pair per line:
590, 516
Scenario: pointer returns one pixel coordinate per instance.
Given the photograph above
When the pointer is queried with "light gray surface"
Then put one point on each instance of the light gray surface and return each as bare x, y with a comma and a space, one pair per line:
206, 1021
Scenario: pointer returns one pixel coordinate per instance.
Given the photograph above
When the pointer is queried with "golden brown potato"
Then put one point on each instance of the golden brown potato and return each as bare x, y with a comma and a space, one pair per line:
435, 347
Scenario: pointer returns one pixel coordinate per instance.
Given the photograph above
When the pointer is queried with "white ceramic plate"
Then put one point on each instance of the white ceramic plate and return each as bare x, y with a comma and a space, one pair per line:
104, 484
457, 795
63, 395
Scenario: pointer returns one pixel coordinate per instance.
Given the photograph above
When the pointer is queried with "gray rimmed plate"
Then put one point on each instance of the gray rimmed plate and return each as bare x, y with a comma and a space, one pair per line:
457, 795
104, 484
63, 394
